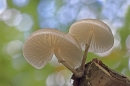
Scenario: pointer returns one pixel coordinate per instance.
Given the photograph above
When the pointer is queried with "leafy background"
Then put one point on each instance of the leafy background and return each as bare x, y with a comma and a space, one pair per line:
19, 18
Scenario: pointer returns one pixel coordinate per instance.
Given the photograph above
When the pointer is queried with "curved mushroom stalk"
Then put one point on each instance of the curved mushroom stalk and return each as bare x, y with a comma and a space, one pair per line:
42, 44
93, 36
60, 60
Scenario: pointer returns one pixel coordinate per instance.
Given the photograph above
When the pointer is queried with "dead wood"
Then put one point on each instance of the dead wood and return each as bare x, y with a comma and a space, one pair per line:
98, 74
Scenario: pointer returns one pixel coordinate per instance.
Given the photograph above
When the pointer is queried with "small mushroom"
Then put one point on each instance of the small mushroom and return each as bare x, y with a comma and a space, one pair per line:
42, 44
93, 36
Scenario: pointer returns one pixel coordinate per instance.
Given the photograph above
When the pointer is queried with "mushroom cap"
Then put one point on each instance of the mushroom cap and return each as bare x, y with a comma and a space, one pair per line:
93, 32
39, 48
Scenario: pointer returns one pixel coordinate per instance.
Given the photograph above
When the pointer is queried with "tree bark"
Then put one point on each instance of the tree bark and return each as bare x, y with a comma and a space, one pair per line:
98, 74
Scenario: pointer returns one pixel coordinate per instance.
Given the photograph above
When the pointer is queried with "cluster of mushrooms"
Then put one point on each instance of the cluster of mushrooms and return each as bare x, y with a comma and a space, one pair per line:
88, 35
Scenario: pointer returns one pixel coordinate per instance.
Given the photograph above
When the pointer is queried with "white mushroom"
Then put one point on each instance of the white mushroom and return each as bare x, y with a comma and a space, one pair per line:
93, 36
42, 44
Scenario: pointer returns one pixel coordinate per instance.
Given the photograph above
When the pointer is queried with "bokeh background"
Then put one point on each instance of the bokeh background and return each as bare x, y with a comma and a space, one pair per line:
19, 18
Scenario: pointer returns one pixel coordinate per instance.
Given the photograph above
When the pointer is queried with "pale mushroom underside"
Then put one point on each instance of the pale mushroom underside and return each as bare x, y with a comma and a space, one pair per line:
94, 33
39, 48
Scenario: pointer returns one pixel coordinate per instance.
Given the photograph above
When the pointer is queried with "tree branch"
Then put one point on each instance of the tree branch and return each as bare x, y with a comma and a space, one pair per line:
98, 74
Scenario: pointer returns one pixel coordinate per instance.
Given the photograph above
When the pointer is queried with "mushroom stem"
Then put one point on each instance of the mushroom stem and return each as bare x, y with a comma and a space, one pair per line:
86, 50
78, 73
60, 60
84, 57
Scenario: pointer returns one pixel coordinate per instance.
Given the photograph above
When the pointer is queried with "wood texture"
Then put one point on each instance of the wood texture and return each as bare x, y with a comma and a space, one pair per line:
98, 74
